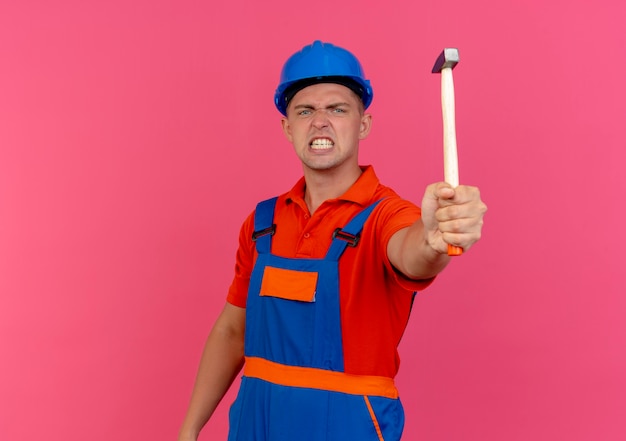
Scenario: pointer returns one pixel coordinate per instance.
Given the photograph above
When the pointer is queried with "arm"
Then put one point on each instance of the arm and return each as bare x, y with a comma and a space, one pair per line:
221, 361
449, 215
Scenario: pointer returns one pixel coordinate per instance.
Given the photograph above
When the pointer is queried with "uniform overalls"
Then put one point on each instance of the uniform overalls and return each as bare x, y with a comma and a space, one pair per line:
294, 387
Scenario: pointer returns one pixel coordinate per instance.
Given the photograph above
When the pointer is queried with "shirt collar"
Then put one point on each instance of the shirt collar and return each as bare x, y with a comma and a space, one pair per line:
361, 192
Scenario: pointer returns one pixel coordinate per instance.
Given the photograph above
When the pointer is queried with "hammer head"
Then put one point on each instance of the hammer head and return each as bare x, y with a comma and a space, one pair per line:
448, 58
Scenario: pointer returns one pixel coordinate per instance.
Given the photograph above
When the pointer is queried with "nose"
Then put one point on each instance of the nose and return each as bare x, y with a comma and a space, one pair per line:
320, 119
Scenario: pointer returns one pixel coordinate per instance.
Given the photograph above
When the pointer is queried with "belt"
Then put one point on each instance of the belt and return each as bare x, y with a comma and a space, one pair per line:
313, 378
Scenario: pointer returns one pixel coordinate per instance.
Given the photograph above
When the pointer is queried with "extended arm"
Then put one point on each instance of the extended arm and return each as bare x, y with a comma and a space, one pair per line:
449, 216
221, 361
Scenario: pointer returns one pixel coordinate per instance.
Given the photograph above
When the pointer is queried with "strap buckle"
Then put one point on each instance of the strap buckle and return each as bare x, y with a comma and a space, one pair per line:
350, 238
269, 230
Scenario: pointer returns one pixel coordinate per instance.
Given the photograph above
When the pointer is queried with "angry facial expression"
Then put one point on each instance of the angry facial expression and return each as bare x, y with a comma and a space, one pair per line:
325, 123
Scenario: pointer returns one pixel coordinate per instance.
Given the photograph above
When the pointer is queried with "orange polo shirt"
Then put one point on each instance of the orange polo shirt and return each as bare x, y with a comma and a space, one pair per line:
375, 299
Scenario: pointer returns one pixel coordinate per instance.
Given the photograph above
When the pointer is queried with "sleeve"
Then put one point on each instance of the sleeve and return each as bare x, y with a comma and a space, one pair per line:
244, 262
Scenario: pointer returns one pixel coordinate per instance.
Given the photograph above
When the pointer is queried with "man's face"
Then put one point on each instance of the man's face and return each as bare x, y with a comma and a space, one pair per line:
325, 123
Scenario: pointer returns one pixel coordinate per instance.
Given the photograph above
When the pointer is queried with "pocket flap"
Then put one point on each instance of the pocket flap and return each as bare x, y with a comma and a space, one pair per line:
289, 284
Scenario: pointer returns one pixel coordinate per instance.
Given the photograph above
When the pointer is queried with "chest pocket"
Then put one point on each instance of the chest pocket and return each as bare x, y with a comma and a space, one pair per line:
289, 284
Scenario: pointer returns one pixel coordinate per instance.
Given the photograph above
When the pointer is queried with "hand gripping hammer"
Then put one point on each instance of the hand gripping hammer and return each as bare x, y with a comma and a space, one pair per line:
444, 65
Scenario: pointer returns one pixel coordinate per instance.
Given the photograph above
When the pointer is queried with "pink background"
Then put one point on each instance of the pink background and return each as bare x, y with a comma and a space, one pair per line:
131, 135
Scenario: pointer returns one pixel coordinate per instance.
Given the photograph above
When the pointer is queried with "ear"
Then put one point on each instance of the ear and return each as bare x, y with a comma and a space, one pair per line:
286, 128
366, 126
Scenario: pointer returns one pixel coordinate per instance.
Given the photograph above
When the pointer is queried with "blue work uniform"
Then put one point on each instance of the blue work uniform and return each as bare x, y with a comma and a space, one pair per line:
294, 387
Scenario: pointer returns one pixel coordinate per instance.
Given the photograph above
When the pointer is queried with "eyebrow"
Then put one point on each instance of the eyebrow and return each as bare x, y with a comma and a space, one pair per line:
330, 106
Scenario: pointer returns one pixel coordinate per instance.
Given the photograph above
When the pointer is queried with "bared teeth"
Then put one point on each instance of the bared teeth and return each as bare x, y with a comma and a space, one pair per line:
322, 144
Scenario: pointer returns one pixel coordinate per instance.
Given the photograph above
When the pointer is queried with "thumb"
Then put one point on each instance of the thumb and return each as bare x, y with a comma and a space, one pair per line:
435, 194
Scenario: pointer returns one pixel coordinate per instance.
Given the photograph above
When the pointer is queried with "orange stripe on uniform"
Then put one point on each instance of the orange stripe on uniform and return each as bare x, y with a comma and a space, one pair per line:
374, 419
313, 378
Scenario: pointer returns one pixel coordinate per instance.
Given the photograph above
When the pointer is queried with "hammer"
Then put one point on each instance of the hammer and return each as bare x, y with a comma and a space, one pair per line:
444, 65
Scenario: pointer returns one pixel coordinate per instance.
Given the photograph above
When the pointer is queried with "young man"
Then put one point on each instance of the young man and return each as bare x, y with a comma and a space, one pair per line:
326, 275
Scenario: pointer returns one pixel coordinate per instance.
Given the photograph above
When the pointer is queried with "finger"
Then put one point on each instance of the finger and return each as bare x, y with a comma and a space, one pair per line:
464, 240
466, 193
444, 191
468, 202
461, 231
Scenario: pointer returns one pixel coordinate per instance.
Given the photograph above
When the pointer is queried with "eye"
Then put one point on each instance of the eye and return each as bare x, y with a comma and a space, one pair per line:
338, 110
305, 112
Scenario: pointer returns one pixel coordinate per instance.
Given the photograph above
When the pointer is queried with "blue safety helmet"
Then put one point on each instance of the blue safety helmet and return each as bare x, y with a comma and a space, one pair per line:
321, 63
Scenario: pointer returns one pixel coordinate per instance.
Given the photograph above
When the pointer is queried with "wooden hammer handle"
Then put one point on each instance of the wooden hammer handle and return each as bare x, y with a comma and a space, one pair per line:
450, 156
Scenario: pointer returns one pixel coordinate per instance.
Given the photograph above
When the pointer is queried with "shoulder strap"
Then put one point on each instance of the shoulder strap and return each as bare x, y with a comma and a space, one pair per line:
350, 234
264, 226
